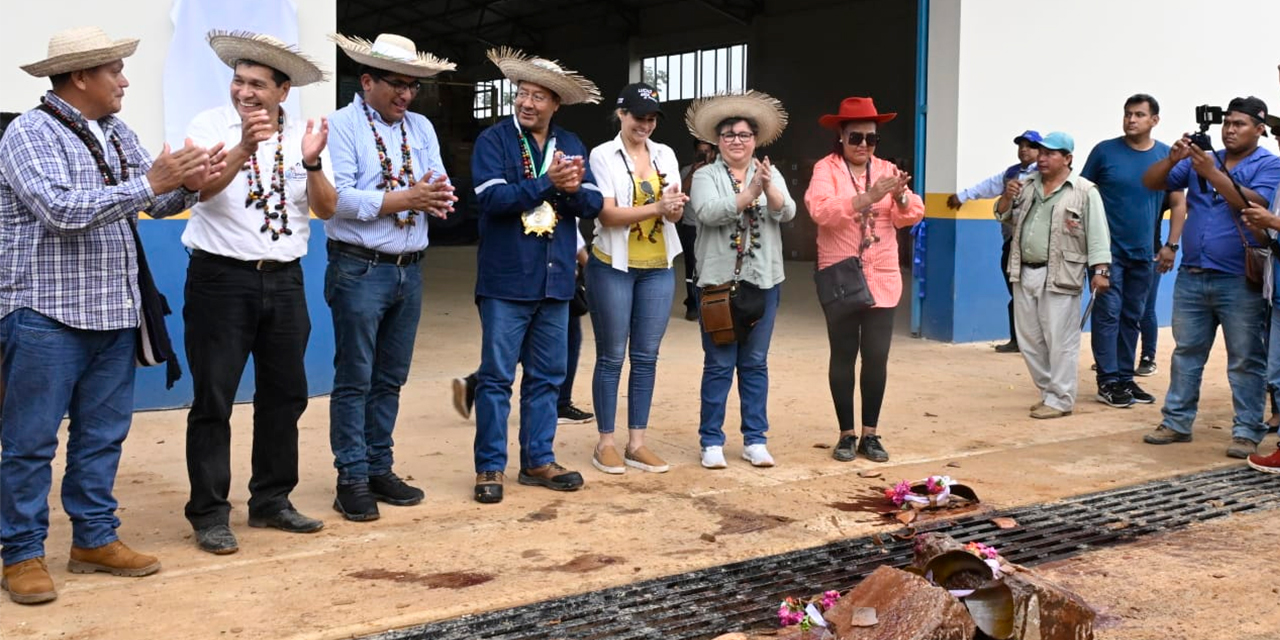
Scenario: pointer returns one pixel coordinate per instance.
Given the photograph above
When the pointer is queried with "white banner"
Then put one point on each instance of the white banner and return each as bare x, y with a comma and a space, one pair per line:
194, 78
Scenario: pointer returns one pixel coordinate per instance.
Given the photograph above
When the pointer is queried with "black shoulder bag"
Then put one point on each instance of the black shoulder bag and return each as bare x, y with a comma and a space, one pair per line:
842, 287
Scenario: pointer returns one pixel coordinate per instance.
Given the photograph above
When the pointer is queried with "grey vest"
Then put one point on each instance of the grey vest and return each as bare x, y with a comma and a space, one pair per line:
1068, 235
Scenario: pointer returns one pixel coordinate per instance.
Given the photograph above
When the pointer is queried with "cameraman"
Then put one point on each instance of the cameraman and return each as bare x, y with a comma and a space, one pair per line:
1211, 288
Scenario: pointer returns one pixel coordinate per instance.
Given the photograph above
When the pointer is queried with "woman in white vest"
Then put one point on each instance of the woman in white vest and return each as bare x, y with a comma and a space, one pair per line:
629, 278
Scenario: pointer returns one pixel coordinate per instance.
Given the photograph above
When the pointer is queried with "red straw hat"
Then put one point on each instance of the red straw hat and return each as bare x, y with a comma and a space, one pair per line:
855, 109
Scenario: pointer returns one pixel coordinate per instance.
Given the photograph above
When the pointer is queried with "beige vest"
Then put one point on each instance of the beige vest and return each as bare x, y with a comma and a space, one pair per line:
1068, 235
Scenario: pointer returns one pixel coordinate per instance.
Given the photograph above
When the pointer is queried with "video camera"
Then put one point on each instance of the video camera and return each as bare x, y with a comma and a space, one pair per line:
1206, 115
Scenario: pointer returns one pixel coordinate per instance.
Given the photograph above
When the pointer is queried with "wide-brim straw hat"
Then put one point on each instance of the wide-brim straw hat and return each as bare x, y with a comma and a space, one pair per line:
234, 46
763, 109
80, 48
567, 83
393, 53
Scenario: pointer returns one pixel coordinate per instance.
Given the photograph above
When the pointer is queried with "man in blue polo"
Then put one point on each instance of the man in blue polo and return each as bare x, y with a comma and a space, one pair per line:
1117, 166
993, 187
1211, 288
532, 186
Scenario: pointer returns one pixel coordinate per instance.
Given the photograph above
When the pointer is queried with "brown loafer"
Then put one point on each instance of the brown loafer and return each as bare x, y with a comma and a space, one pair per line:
28, 582
114, 558
489, 487
552, 476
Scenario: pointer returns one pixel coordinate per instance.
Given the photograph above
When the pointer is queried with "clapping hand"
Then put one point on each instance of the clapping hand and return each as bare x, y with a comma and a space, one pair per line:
433, 194
172, 168
212, 169
672, 203
314, 140
254, 129
566, 173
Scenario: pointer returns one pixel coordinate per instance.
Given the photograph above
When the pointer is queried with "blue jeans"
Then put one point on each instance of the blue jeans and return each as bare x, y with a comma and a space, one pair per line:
1202, 302
571, 365
632, 305
1117, 315
534, 335
375, 308
1149, 328
1273, 346
751, 358
50, 370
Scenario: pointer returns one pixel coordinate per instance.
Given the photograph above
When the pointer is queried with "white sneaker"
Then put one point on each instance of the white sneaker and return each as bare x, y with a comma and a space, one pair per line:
757, 455
713, 458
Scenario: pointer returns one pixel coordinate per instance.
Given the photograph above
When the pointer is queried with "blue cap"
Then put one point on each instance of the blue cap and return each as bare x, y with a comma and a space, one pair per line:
1058, 141
1030, 135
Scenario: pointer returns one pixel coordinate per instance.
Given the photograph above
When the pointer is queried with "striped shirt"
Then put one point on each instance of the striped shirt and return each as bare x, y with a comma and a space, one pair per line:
66, 250
357, 172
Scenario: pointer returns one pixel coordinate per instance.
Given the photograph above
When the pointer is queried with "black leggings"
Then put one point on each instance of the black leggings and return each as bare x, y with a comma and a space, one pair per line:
868, 331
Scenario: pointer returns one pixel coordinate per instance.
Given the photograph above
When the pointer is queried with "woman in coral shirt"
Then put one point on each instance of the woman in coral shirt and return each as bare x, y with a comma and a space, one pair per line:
859, 202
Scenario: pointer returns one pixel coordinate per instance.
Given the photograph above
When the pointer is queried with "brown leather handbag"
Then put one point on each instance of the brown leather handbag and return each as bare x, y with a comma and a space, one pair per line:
717, 313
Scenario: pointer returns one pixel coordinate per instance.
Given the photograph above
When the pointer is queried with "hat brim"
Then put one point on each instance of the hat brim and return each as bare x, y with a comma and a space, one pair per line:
79, 60
568, 85
765, 110
232, 47
832, 121
361, 50
1022, 139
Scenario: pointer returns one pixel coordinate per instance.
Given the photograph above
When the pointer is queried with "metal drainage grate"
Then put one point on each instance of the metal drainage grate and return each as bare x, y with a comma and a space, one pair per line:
742, 595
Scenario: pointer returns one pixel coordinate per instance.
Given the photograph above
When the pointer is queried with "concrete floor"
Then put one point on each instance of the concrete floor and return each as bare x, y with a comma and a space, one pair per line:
954, 409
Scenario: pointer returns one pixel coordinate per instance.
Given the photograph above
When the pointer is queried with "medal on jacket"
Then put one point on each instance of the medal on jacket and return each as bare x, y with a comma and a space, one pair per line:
541, 220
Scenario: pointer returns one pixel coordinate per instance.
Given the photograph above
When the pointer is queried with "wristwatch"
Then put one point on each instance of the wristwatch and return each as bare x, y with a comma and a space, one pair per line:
313, 167
1171, 246
1103, 271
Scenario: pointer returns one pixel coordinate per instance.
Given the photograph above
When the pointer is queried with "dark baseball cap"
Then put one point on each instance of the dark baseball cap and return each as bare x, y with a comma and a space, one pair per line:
1253, 107
639, 99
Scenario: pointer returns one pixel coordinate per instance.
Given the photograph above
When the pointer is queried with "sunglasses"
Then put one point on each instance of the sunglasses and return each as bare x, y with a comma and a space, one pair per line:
856, 137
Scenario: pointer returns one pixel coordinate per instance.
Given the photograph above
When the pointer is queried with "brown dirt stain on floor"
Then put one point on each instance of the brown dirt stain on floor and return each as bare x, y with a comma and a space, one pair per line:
546, 513
445, 580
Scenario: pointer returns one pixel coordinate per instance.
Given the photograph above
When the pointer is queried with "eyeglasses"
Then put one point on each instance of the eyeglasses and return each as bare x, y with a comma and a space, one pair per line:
742, 136
411, 88
536, 98
856, 137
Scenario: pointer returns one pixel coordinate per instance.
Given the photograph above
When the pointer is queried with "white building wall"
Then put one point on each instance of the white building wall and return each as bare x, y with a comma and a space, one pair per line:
1068, 66
24, 38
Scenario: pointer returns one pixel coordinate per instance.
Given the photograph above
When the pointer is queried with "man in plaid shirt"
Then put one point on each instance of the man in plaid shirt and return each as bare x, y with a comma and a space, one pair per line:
73, 178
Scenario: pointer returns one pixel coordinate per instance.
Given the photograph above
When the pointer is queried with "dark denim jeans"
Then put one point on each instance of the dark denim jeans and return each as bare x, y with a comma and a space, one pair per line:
375, 308
1117, 316
532, 334
232, 311
1201, 303
628, 308
571, 365
1150, 326
51, 370
751, 359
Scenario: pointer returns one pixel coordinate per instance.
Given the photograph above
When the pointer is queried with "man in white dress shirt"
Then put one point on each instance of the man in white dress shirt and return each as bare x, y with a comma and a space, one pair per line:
244, 291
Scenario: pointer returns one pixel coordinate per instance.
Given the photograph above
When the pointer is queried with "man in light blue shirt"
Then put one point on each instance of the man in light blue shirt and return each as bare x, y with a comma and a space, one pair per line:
992, 187
388, 174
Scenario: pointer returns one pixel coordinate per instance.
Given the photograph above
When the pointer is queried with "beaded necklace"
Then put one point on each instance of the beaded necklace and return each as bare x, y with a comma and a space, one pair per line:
649, 198
526, 160
260, 198
95, 149
389, 179
869, 236
748, 227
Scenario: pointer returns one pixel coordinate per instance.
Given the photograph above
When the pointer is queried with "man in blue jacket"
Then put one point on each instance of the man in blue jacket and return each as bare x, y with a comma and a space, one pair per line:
532, 186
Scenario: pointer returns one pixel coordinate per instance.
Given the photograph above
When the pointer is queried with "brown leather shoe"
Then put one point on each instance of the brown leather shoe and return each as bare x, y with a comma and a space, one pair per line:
552, 476
114, 558
489, 487
28, 582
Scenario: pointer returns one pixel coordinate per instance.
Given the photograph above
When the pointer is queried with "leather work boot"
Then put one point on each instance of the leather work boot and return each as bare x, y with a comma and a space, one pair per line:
552, 476
114, 558
28, 582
